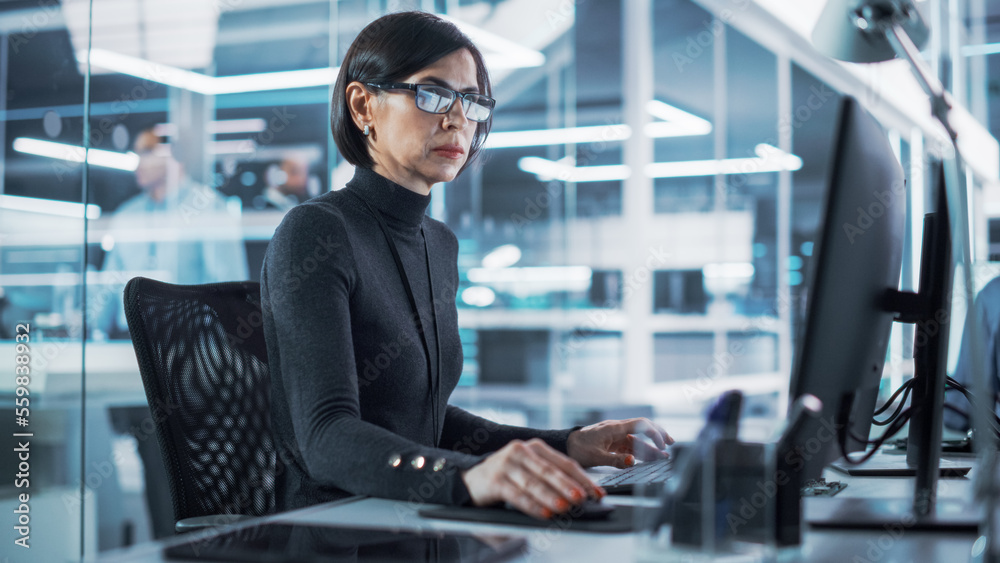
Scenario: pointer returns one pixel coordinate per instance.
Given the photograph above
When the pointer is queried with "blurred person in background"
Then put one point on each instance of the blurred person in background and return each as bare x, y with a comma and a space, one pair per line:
175, 230
986, 315
290, 185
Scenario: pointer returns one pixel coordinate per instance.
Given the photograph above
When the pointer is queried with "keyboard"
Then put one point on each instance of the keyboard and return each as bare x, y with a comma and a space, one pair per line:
623, 482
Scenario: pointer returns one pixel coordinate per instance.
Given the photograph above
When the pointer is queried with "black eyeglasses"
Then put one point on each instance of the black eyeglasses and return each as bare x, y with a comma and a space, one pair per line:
438, 99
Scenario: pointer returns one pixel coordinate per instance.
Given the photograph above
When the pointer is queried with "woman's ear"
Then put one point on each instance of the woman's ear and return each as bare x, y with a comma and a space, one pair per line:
360, 102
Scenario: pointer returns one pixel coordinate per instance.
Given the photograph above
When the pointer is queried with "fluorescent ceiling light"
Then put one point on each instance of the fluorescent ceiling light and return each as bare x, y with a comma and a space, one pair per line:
676, 122
530, 274
479, 296
985, 49
255, 125
499, 52
565, 136
209, 85
284, 80
768, 159
128, 161
236, 146
502, 256
220, 127
49, 206
533, 280
561, 170
140, 68
728, 270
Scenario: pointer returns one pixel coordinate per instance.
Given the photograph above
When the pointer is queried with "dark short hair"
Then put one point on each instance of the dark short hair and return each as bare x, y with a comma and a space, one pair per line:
387, 50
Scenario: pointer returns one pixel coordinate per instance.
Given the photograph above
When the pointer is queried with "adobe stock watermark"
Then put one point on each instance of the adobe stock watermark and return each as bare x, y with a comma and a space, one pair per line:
277, 122
562, 14
30, 26
380, 358
883, 200
434, 480
299, 272
598, 318
100, 471
706, 379
819, 96
697, 43
554, 187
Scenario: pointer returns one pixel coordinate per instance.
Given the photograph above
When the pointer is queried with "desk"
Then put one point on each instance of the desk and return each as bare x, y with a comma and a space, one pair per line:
554, 544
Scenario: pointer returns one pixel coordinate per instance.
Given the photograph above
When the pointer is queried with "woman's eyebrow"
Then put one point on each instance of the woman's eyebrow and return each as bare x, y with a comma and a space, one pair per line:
446, 84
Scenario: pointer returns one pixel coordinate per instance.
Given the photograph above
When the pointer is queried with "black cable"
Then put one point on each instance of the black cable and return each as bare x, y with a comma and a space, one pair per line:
906, 388
898, 419
969, 396
893, 429
954, 383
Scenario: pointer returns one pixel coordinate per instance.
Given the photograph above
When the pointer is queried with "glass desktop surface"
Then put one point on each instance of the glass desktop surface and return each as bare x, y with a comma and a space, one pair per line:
307, 543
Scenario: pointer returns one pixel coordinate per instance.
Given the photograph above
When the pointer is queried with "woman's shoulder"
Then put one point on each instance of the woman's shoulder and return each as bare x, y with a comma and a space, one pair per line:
326, 212
439, 229
312, 233
441, 233
323, 220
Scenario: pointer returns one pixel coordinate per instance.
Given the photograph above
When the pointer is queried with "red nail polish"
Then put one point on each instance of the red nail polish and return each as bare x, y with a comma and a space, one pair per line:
546, 513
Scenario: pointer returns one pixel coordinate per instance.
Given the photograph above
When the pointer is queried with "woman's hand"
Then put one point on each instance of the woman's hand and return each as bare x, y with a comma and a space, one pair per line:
531, 476
618, 442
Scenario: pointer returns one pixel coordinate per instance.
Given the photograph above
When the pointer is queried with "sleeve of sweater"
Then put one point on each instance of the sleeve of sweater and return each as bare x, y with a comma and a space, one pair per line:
306, 286
467, 433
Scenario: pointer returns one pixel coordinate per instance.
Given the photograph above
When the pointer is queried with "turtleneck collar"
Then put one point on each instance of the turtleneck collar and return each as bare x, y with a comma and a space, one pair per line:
392, 200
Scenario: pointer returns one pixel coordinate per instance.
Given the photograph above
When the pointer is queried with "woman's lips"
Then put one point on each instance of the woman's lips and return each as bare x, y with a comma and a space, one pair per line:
454, 152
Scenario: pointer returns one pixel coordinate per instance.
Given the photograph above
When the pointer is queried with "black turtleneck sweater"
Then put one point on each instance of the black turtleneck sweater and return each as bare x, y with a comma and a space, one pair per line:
358, 398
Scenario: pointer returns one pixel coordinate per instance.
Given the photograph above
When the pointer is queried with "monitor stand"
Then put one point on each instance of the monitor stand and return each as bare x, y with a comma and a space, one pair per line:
891, 515
896, 466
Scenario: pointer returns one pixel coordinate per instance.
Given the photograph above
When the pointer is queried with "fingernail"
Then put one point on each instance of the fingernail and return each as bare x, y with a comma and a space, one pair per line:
577, 495
546, 513
630, 460
561, 505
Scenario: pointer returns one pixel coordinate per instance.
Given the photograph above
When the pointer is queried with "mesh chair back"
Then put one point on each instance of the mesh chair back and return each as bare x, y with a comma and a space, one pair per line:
203, 362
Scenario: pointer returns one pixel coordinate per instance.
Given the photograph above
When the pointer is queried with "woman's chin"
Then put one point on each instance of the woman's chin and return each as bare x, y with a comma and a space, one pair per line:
446, 173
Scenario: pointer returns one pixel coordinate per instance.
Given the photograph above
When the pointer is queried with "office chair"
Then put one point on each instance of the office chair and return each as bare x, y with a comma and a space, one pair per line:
203, 363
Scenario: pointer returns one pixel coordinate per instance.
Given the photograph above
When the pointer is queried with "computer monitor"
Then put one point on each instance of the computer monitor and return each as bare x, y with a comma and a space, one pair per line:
852, 304
857, 257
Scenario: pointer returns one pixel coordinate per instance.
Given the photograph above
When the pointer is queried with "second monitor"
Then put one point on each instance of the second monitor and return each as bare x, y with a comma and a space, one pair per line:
852, 304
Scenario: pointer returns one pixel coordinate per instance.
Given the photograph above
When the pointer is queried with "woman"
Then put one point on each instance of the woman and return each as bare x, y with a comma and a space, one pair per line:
358, 290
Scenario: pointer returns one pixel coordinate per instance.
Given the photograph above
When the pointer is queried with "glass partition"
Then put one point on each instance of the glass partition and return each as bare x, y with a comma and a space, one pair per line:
43, 269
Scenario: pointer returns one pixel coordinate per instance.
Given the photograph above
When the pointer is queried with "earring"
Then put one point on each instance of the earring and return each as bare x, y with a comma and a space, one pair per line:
366, 131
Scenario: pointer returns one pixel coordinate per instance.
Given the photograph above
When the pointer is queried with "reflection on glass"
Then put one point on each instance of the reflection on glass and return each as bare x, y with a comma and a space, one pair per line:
288, 184
298, 543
